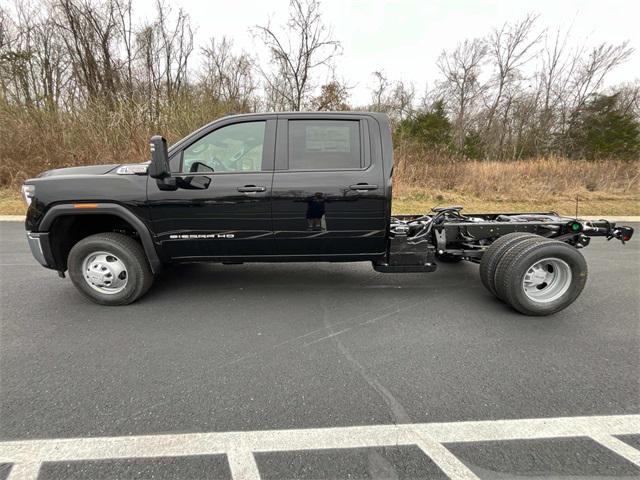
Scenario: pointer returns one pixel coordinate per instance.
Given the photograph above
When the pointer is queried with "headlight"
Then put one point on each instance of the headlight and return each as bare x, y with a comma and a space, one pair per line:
28, 192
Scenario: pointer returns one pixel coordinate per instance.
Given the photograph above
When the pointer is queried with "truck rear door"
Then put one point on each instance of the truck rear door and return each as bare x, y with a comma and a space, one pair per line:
328, 187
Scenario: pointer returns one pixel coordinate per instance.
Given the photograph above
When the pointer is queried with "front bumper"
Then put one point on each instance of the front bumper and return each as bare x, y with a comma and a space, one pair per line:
40, 248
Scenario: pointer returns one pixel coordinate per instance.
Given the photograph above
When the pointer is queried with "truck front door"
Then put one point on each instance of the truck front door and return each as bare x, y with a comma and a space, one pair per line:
328, 187
222, 204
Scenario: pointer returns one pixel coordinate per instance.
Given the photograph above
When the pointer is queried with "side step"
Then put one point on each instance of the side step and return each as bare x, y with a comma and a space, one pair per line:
427, 267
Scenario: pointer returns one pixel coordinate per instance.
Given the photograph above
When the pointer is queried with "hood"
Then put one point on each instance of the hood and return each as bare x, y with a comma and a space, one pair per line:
86, 170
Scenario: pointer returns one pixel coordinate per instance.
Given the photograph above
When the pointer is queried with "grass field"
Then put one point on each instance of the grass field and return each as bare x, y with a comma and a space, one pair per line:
423, 180
11, 203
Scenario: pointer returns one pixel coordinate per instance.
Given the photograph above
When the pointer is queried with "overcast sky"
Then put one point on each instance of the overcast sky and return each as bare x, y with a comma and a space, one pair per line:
404, 37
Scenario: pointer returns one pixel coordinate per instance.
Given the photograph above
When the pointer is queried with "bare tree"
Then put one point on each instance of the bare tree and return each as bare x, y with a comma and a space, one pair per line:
585, 82
402, 100
89, 31
629, 98
177, 45
306, 45
591, 72
33, 61
228, 76
123, 10
509, 47
274, 99
380, 91
395, 98
165, 47
552, 79
461, 70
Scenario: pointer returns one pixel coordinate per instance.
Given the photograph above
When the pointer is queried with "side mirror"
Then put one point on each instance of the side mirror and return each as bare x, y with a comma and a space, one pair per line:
199, 167
159, 167
194, 183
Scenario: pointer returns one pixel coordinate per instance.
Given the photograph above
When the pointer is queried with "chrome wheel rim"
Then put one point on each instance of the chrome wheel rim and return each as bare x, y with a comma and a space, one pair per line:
105, 273
547, 280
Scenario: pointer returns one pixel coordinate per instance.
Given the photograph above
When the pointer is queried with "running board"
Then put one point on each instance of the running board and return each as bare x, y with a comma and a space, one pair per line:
428, 267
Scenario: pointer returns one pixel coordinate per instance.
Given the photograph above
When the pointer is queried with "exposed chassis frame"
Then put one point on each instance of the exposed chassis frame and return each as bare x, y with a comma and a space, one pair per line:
463, 238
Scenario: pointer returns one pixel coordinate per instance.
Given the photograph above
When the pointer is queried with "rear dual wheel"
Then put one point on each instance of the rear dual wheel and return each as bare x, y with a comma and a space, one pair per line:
494, 254
533, 274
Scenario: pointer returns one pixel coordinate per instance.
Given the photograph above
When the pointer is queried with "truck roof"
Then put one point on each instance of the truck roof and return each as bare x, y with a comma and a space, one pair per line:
382, 119
311, 112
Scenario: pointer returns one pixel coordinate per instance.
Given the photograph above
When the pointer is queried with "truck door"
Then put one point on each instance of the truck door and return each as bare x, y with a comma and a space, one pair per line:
222, 204
328, 192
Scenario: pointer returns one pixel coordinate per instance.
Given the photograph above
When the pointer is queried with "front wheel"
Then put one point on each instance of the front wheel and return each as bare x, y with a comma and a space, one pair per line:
110, 268
541, 278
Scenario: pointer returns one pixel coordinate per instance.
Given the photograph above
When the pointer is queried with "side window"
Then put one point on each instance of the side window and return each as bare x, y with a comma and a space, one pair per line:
234, 148
324, 144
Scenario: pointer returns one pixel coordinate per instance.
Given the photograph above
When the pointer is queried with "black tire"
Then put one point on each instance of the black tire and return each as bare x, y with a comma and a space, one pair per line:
447, 258
507, 255
494, 254
128, 251
520, 258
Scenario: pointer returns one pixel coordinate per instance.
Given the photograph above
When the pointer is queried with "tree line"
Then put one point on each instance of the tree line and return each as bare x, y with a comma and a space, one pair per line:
520, 91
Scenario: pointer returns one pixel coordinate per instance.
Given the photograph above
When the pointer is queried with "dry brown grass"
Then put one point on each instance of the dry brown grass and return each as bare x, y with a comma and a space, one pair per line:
424, 179
11, 203
37, 140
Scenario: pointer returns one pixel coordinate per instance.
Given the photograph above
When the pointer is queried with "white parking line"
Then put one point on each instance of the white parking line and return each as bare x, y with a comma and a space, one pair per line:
28, 455
447, 461
243, 465
621, 448
24, 471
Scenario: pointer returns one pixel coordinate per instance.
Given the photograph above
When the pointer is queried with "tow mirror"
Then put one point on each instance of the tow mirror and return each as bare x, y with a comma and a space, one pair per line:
159, 167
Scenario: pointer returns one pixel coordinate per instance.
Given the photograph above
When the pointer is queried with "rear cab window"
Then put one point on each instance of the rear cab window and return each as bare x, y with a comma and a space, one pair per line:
324, 145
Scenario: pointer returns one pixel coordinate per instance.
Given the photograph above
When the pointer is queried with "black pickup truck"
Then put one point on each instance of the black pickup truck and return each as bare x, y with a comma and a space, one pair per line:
287, 187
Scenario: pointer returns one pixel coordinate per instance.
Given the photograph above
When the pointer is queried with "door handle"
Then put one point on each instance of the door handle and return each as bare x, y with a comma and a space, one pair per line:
363, 186
251, 189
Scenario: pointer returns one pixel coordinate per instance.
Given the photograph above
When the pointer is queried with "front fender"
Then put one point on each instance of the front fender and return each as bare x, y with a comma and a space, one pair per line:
106, 208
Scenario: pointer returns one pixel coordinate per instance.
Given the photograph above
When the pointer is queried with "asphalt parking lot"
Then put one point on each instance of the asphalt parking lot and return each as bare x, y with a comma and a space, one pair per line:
273, 347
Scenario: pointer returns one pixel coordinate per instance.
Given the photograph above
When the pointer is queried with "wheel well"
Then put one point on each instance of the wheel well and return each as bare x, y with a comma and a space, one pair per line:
68, 230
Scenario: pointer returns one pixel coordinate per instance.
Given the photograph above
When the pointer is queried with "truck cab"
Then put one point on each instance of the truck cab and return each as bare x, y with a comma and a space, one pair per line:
275, 186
